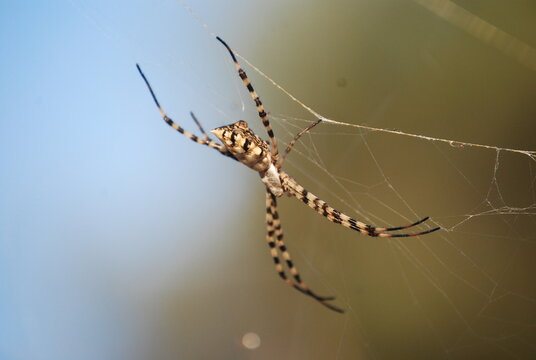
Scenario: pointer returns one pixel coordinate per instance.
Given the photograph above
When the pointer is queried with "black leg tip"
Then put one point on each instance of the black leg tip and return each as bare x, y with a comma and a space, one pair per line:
228, 48
222, 41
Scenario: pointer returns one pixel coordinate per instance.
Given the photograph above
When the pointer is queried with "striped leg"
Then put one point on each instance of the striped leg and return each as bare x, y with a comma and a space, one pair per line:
291, 144
205, 135
274, 237
258, 103
333, 215
206, 141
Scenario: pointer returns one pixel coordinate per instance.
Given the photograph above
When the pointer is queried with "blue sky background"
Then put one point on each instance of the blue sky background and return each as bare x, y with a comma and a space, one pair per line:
121, 239
85, 171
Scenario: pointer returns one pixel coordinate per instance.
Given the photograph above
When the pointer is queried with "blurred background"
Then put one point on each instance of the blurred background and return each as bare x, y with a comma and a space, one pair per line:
122, 239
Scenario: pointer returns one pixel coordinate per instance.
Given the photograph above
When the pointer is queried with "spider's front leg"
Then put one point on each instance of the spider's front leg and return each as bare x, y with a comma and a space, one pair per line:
258, 103
205, 141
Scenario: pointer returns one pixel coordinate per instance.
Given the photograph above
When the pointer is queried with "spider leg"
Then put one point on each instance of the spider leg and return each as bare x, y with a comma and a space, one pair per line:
291, 144
256, 99
277, 246
210, 143
333, 215
205, 135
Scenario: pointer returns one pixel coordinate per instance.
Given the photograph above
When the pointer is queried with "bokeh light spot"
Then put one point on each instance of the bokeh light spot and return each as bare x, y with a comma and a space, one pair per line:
251, 341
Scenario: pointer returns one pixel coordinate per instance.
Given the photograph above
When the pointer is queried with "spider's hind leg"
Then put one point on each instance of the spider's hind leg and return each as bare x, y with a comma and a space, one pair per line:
277, 246
320, 206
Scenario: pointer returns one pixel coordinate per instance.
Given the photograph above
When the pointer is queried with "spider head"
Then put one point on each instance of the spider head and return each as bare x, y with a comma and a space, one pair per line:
239, 126
246, 147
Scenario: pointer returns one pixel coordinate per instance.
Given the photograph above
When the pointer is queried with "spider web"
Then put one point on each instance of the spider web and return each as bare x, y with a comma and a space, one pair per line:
464, 292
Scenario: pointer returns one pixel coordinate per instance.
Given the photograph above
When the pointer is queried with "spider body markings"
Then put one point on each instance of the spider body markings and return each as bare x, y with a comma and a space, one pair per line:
242, 144
251, 151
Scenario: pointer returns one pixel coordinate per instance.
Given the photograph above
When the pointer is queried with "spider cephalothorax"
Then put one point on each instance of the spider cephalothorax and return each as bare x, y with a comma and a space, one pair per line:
241, 144
251, 151
245, 146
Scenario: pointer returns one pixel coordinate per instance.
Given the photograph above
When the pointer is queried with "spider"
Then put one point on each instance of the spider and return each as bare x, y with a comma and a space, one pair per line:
240, 143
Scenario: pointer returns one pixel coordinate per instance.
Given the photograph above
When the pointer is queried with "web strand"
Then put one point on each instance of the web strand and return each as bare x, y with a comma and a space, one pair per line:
454, 143
439, 7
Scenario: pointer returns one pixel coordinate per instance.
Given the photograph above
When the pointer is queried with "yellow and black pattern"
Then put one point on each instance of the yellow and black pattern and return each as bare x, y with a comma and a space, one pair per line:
206, 141
320, 206
256, 99
245, 146
240, 143
274, 237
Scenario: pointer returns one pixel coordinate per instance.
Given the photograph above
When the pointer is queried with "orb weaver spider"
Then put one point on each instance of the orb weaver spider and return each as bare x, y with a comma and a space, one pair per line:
240, 143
